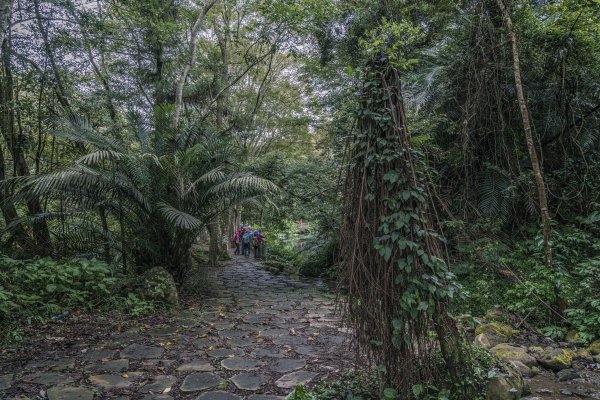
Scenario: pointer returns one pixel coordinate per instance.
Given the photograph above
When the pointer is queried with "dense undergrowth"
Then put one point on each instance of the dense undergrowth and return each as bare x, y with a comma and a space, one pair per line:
360, 384
36, 291
511, 274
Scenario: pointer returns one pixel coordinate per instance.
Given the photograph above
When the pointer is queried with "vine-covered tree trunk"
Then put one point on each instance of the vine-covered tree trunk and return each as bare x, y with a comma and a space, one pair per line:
392, 261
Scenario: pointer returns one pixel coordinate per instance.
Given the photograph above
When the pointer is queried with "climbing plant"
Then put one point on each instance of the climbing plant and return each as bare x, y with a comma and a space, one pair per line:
392, 259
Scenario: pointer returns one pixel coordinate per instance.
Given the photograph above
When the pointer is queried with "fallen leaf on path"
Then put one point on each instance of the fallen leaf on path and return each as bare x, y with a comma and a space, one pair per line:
125, 376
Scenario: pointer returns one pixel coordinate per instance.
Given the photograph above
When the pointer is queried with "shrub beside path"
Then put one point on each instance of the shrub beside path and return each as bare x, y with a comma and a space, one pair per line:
259, 337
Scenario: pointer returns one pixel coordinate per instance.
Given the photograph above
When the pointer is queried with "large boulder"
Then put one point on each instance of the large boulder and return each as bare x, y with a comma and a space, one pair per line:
495, 332
594, 348
505, 385
556, 359
507, 352
157, 284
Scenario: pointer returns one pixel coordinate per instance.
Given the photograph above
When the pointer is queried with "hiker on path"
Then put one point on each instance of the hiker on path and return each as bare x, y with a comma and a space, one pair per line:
257, 239
246, 240
236, 239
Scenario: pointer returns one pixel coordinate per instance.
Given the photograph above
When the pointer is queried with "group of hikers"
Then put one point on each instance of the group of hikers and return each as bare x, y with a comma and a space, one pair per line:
245, 237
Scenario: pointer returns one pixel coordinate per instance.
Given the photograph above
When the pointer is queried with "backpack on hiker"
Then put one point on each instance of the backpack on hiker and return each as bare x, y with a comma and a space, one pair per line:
246, 238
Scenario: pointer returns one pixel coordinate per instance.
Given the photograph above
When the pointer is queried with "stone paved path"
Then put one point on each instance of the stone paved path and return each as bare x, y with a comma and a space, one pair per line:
263, 335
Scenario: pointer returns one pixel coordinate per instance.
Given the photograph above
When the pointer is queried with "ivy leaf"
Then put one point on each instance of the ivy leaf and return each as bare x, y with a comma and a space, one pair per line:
417, 390
390, 394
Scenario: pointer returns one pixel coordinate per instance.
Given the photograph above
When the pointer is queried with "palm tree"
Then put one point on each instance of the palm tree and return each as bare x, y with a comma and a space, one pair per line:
144, 191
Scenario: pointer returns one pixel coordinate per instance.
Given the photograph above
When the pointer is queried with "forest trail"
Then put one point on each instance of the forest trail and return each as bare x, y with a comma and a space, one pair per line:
259, 337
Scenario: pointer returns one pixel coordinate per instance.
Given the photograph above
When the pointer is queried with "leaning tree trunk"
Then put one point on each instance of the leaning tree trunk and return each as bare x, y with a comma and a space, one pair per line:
535, 163
392, 262
190, 60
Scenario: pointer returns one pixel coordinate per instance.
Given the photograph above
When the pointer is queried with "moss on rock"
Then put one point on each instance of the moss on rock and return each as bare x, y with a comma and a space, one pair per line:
506, 385
513, 353
158, 284
572, 336
556, 359
496, 332
594, 348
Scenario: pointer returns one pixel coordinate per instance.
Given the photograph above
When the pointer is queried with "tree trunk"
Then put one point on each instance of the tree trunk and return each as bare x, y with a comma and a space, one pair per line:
535, 163
190, 61
9, 211
213, 249
5, 10
40, 228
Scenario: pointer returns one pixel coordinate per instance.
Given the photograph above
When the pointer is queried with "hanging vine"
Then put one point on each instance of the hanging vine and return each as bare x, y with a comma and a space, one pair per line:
392, 261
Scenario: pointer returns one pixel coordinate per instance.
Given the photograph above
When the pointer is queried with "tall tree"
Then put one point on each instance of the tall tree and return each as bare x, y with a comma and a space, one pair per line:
531, 148
392, 260
5, 10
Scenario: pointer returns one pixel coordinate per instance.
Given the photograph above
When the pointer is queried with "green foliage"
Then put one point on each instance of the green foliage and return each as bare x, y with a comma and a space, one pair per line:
396, 38
321, 260
514, 276
350, 385
35, 291
46, 287
280, 252
159, 190
366, 384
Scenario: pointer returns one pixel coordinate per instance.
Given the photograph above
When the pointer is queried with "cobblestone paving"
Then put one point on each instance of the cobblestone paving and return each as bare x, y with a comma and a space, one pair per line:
263, 335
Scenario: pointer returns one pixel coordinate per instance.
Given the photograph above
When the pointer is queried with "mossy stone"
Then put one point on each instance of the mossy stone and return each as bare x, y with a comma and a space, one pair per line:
507, 385
513, 353
158, 284
495, 328
572, 336
556, 359
496, 332
594, 348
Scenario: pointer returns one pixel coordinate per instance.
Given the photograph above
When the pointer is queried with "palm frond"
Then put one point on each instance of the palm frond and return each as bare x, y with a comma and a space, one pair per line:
178, 218
78, 128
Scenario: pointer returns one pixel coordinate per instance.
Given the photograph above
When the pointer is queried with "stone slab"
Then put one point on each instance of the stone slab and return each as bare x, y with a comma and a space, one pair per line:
110, 381
294, 379
240, 364
199, 381
138, 351
196, 366
69, 393
248, 381
218, 395
158, 384
284, 365
6, 381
